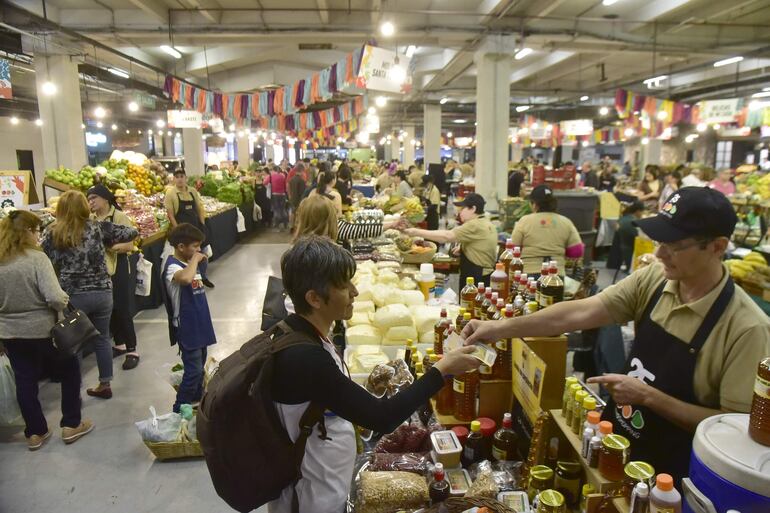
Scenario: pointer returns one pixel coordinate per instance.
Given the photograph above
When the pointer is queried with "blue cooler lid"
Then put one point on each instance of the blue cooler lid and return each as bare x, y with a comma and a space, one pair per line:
723, 444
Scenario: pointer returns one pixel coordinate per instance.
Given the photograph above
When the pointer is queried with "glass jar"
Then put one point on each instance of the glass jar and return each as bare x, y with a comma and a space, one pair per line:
551, 501
637, 472
567, 481
613, 457
540, 478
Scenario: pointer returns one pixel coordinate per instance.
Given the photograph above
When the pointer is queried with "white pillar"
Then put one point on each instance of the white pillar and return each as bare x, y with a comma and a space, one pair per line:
493, 63
242, 145
395, 147
194, 161
168, 144
651, 153
408, 146
516, 152
63, 139
270, 153
432, 134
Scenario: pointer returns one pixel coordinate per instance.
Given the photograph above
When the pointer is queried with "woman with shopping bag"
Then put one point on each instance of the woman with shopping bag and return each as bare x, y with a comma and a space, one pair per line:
29, 301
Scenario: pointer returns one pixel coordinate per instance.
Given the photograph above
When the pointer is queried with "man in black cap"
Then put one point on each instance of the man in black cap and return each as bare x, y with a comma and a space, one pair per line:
476, 235
698, 336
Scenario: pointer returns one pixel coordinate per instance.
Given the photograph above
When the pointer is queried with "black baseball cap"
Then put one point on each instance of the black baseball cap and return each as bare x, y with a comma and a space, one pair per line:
540, 193
691, 212
472, 200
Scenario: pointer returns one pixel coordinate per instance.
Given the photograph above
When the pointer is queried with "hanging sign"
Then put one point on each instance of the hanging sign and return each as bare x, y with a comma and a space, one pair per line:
185, 119
15, 188
577, 127
384, 70
743, 131
5, 80
145, 100
719, 111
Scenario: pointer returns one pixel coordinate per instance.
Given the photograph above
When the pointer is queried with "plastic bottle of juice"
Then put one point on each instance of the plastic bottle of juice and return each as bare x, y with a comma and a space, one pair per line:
664, 498
479, 300
466, 387
473, 451
440, 332
505, 441
439, 490
468, 295
498, 281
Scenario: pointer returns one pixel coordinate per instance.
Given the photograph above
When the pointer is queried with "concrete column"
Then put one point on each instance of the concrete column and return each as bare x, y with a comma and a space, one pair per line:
168, 144
194, 161
270, 153
493, 79
408, 146
651, 152
517, 151
395, 147
432, 134
242, 147
63, 139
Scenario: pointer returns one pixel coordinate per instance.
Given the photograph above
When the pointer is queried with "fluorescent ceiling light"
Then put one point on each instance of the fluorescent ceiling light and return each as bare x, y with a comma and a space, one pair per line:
522, 108
645, 140
443, 100
387, 29
458, 121
604, 111
763, 94
725, 62
584, 98
608, 3
118, 72
654, 81
410, 50
522, 53
173, 52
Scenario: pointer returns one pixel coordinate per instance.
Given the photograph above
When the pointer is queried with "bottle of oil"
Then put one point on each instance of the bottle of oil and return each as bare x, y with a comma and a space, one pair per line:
492, 308
466, 388
759, 420
468, 295
465, 321
543, 273
440, 332
552, 288
481, 309
480, 295
498, 281
505, 258
459, 319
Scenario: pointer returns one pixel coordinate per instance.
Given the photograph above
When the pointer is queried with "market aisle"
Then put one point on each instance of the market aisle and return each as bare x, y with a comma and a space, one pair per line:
110, 470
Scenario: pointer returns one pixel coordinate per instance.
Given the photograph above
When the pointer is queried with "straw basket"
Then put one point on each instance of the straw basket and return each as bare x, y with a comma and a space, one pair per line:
460, 504
419, 258
182, 448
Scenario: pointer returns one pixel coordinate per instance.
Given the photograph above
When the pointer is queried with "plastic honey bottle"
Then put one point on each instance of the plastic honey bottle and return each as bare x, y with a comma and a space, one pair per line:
505, 258
479, 300
505, 441
466, 387
468, 295
440, 332
664, 498
492, 307
481, 308
498, 281
552, 288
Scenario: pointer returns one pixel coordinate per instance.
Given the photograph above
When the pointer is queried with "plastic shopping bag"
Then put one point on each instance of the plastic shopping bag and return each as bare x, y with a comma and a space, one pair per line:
164, 428
143, 277
9, 407
241, 223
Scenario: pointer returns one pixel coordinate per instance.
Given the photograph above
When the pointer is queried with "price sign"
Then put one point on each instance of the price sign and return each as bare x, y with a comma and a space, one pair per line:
15, 187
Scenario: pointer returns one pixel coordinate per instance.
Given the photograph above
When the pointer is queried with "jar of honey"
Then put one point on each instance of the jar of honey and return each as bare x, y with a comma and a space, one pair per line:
551, 501
759, 420
567, 481
637, 472
540, 479
613, 457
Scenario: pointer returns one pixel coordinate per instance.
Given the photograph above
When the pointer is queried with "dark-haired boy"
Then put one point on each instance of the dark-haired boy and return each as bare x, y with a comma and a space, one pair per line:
189, 318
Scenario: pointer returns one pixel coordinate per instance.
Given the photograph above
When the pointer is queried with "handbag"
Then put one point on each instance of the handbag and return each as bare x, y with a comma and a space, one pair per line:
273, 307
74, 330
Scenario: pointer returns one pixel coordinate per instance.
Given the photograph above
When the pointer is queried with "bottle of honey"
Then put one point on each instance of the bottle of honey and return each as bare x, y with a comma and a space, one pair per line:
552, 289
445, 400
759, 420
498, 281
459, 318
543, 274
466, 388
468, 295
440, 332
518, 306
492, 307
466, 320
515, 279
523, 281
503, 366
505, 258
505, 442
480, 308
500, 310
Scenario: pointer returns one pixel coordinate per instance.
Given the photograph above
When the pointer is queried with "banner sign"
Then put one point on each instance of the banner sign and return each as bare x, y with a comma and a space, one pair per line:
5, 80
372, 124
719, 111
577, 127
384, 70
185, 119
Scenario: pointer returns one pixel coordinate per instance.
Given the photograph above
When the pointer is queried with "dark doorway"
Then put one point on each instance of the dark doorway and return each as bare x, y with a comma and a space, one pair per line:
25, 161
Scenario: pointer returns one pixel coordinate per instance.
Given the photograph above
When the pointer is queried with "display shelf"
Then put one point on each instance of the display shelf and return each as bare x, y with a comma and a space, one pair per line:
447, 420
59, 186
592, 475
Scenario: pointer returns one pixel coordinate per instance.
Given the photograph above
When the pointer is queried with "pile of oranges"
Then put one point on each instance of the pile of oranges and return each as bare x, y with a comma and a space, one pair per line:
145, 181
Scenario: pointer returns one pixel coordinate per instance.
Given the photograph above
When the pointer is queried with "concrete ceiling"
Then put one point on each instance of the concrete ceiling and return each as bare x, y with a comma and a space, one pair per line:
580, 47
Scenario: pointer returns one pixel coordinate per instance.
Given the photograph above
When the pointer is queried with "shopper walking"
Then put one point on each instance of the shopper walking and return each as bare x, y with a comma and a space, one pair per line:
29, 301
315, 372
76, 246
296, 190
325, 188
184, 205
121, 266
277, 182
697, 334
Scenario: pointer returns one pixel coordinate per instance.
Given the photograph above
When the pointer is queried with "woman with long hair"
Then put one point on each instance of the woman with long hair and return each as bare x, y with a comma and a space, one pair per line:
76, 246
29, 301
325, 188
317, 216
344, 184
650, 188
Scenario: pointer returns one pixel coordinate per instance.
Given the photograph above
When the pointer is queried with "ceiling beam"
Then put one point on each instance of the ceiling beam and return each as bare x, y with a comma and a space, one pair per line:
552, 59
652, 10
323, 12
154, 8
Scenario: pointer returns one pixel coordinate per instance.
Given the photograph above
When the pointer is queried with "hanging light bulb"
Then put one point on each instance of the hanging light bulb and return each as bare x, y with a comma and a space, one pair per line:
381, 101
133, 106
49, 88
114, 127
99, 112
99, 124
160, 123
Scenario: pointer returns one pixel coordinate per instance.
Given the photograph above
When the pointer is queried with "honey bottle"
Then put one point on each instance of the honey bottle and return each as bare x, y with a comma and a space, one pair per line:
479, 300
498, 281
468, 295
552, 289
445, 401
466, 388
440, 332
481, 309
492, 307
459, 319
759, 419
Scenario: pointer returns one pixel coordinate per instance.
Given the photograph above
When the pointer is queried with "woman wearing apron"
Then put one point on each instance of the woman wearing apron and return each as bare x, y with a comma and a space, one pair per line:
317, 373
432, 201
183, 205
121, 266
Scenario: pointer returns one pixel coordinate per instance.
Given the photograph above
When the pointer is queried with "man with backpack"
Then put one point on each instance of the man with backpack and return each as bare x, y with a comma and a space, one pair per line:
276, 423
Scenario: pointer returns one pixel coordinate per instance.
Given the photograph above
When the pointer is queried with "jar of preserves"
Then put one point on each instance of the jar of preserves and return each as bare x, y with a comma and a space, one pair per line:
613, 457
540, 479
551, 501
637, 472
466, 387
759, 420
567, 481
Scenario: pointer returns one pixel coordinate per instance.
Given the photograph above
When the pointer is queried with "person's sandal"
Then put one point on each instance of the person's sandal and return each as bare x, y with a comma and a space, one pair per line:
100, 392
131, 361
118, 352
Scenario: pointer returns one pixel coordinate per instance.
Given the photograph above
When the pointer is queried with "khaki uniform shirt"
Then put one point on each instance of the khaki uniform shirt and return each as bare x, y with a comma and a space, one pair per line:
478, 241
541, 235
726, 365
171, 201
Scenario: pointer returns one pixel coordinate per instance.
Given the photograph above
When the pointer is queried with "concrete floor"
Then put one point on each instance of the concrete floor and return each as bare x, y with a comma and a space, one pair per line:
111, 470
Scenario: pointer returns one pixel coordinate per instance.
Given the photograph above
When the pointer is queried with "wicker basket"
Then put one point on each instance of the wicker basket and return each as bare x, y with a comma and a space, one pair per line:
420, 258
175, 450
460, 504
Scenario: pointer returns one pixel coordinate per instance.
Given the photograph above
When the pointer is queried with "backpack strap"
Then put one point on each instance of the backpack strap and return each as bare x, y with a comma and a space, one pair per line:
314, 415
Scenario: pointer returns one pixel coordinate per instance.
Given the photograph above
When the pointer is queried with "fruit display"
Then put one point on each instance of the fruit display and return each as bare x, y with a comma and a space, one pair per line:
225, 188
754, 186
69, 177
141, 212
145, 181
740, 269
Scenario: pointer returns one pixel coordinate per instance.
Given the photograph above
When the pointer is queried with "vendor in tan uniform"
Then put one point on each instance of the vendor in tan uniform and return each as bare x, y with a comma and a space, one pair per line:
476, 235
544, 234
698, 336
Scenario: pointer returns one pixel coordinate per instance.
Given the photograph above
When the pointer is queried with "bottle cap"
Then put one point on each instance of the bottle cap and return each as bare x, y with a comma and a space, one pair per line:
664, 482
516, 250
642, 490
426, 268
439, 467
593, 417
495, 295
434, 358
467, 316
469, 280
605, 427
569, 379
579, 396
461, 432
462, 311
507, 420
573, 389
595, 440
509, 243
430, 351
588, 489
480, 286
488, 426
475, 426
409, 342
499, 266
589, 403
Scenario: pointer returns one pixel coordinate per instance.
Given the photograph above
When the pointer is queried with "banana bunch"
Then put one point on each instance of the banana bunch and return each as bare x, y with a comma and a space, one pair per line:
741, 268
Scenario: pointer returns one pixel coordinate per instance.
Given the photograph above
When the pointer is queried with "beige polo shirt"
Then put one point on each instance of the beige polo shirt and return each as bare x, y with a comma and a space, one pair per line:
173, 195
726, 365
478, 240
544, 235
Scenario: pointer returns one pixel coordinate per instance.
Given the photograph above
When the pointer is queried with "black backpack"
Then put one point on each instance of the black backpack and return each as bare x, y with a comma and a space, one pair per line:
249, 454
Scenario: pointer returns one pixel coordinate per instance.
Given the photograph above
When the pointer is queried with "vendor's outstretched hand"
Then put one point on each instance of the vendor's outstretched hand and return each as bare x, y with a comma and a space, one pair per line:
481, 331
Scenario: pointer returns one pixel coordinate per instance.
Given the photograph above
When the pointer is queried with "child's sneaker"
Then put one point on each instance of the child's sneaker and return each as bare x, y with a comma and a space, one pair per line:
35, 442
72, 435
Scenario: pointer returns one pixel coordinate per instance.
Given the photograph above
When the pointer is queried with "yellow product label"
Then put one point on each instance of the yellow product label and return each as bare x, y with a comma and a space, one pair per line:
762, 388
502, 345
660, 509
499, 454
546, 300
458, 386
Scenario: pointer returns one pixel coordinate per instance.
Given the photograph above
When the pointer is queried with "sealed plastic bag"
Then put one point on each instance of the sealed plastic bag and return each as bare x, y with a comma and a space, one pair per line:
164, 428
415, 462
384, 492
9, 407
172, 374
406, 438
143, 277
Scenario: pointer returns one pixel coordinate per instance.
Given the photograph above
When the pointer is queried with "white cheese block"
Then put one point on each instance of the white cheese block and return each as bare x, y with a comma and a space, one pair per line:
392, 315
363, 334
